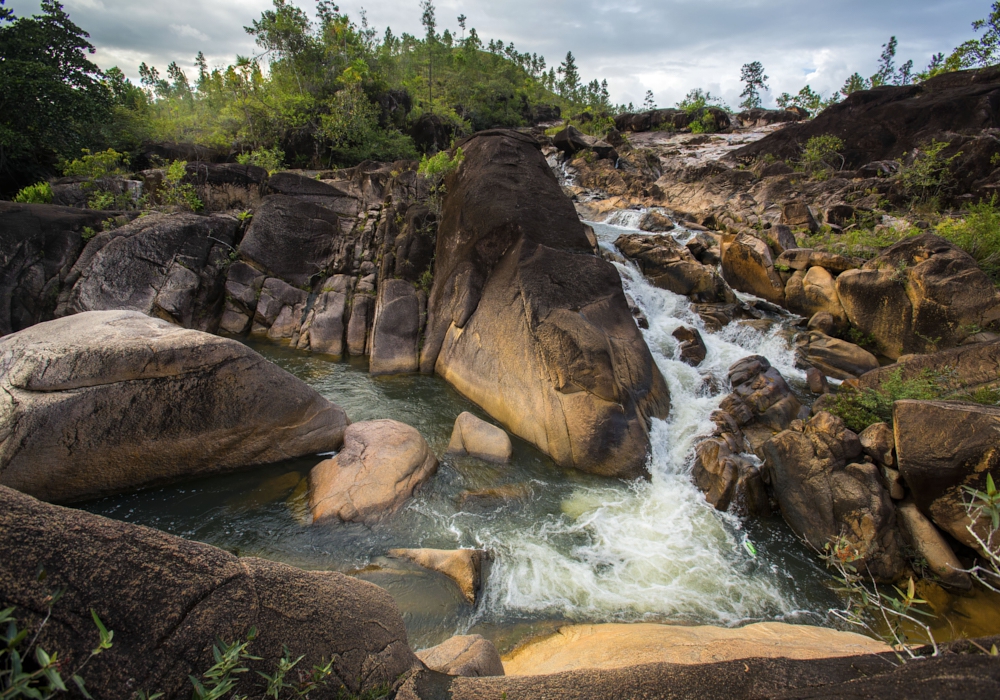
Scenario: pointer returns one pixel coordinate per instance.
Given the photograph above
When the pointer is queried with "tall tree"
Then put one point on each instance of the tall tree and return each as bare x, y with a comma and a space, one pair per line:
52, 97
754, 81
650, 101
430, 27
569, 85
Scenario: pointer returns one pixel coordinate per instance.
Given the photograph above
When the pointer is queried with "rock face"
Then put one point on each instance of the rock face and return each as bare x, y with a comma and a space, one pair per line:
168, 600
747, 265
621, 645
463, 566
943, 446
170, 266
479, 439
727, 478
471, 656
109, 401
921, 295
396, 331
825, 495
671, 266
815, 291
376, 472
968, 367
524, 320
38, 246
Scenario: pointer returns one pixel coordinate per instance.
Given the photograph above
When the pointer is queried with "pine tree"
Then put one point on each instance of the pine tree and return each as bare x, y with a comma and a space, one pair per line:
754, 79
430, 25
569, 86
650, 102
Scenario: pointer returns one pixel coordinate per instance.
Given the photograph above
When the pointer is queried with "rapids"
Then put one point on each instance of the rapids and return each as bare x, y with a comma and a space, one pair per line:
568, 546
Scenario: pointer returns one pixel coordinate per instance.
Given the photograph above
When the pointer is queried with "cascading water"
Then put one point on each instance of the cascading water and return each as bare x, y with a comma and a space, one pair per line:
656, 548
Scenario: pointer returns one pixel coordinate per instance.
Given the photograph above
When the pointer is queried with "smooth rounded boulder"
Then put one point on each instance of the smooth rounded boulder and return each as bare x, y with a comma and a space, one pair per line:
463, 566
111, 401
383, 462
479, 439
469, 655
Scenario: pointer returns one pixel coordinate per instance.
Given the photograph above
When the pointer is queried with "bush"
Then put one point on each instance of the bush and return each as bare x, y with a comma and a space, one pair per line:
109, 163
440, 165
176, 191
40, 193
822, 156
929, 174
978, 234
271, 159
705, 125
862, 408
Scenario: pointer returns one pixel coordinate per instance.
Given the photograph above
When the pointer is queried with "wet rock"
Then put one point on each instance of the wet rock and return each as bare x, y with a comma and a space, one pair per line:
748, 266
111, 401
611, 646
638, 314
826, 497
172, 266
493, 495
921, 295
943, 447
728, 479
656, 222
797, 215
463, 566
479, 439
471, 656
812, 292
380, 466
169, 600
669, 265
396, 331
527, 323
293, 240
921, 534
692, 346
834, 357
760, 395
878, 442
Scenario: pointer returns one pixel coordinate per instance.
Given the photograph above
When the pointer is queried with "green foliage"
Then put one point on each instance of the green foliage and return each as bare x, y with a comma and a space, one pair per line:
39, 193
975, 53
862, 408
822, 154
437, 167
52, 98
427, 280
271, 159
929, 175
176, 192
109, 163
754, 81
978, 234
697, 100
88, 233
863, 340
705, 125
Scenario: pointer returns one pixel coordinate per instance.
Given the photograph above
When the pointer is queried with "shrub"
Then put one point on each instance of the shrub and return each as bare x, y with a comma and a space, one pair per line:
40, 193
978, 234
822, 155
862, 408
929, 174
705, 125
271, 159
176, 191
109, 163
438, 166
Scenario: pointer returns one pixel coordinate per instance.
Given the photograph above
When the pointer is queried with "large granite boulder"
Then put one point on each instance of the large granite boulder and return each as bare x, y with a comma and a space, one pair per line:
172, 266
828, 497
527, 322
944, 447
748, 266
110, 401
964, 368
921, 295
38, 246
815, 291
383, 462
396, 330
833, 357
463, 566
168, 600
477, 438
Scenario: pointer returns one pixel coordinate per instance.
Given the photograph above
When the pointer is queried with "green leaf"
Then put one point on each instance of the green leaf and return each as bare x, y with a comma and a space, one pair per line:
82, 687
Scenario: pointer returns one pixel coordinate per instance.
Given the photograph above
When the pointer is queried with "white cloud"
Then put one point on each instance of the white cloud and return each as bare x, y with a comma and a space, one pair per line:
186, 30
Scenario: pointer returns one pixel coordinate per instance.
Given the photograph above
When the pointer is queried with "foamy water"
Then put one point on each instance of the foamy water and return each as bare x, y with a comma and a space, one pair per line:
651, 549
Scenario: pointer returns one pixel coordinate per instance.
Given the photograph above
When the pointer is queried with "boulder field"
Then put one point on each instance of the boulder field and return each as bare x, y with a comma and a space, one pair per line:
109, 401
527, 322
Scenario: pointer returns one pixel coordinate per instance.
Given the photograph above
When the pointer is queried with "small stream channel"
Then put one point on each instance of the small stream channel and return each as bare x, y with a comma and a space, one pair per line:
566, 546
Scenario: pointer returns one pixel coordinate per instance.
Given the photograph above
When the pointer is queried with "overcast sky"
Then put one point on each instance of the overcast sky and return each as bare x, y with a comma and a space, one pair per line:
667, 46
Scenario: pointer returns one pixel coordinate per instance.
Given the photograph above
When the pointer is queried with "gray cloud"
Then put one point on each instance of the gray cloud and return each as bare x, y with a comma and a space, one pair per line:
667, 46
